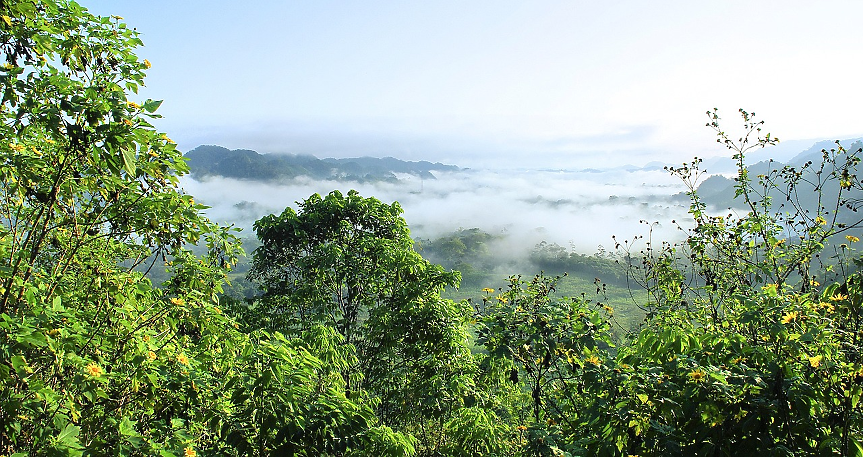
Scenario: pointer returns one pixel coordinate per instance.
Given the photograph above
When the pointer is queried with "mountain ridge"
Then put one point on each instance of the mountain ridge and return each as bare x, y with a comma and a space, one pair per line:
246, 164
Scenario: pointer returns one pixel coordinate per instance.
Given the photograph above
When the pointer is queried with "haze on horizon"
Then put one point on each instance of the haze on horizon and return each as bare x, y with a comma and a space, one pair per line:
496, 83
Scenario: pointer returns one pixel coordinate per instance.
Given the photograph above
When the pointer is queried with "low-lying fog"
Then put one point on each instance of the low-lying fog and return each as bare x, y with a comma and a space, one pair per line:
581, 210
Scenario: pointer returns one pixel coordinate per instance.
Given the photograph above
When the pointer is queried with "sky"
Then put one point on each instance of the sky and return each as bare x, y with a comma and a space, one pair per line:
497, 83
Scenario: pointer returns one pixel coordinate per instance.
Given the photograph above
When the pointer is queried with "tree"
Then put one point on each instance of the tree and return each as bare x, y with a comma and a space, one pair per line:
348, 262
95, 358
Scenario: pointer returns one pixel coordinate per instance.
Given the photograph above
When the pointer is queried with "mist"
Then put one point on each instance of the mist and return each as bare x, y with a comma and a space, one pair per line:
580, 210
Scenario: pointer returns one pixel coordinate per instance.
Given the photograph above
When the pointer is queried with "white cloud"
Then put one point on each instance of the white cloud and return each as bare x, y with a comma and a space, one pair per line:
584, 209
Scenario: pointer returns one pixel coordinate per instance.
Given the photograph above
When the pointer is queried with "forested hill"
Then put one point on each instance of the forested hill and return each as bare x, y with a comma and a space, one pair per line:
719, 191
207, 161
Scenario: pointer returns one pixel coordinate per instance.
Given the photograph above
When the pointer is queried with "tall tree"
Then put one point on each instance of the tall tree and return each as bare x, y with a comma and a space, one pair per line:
348, 262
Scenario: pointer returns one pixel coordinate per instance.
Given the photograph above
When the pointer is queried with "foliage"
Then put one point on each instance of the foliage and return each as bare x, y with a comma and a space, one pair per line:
477, 432
92, 349
553, 258
347, 262
551, 347
467, 251
289, 398
95, 358
751, 341
743, 350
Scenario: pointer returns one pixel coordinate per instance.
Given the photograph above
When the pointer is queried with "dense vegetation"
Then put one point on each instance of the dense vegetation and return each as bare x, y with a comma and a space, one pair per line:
750, 341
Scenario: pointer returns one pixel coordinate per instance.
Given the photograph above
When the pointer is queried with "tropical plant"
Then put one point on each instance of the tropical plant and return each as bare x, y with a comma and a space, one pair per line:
94, 358
743, 349
347, 262
552, 348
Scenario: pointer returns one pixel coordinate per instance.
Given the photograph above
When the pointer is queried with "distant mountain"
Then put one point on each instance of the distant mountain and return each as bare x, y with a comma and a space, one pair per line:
814, 153
208, 160
718, 191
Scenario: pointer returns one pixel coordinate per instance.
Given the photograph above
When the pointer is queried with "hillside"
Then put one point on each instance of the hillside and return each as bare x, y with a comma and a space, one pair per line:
718, 190
209, 160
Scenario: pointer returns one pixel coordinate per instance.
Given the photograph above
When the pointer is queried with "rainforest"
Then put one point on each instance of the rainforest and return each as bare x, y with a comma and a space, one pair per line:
131, 323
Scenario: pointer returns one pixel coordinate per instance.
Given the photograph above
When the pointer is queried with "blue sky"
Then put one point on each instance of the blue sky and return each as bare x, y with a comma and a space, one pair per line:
478, 83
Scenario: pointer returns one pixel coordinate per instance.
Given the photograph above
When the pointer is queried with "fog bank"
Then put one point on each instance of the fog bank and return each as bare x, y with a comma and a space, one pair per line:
578, 209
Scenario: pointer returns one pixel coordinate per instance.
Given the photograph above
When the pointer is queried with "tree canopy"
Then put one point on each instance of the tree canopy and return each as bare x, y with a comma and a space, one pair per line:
347, 262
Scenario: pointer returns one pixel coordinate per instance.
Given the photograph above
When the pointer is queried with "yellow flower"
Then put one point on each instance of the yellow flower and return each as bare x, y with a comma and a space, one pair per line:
814, 283
127, 122
839, 297
183, 359
852, 238
521, 428
177, 301
147, 63
488, 290
815, 361
502, 299
189, 452
771, 289
151, 355
594, 360
829, 307
94, 370
786, 319
820, 220
697, 375
134, 105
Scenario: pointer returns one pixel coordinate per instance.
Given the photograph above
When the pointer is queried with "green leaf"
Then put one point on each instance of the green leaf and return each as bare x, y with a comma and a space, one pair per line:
151, 106
858, 449
129, 161
34, 338
69, 437
127, 427
20, 364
